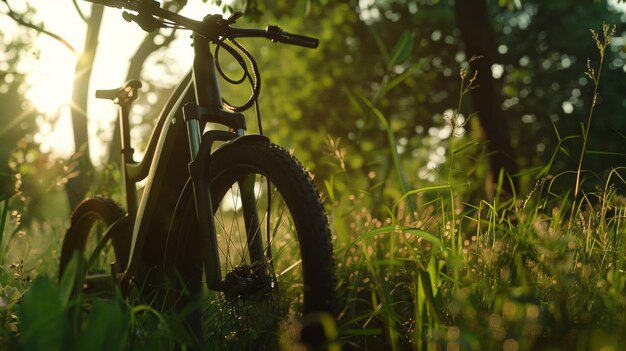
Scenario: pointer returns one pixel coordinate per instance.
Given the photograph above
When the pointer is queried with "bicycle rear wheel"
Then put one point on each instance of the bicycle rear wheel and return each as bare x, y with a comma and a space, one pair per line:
101, 248
276, 262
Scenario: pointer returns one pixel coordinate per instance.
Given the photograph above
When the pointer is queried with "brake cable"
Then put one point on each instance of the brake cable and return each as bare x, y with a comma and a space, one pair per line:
254, 78
237, 51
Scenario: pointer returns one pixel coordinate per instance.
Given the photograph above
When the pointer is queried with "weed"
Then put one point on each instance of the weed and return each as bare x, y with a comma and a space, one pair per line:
607, 35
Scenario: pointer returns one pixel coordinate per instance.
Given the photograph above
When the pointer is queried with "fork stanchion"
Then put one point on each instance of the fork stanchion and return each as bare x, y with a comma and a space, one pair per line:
191, 115
206, 236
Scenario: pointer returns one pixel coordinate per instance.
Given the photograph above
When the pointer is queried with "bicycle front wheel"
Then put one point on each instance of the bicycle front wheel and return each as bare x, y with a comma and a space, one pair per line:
274, 251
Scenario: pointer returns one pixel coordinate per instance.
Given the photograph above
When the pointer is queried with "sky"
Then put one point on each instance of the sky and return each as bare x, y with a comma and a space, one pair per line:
51, 67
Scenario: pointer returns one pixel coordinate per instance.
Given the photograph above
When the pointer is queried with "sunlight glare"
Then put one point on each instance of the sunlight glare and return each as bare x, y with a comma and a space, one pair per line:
51, 70
51, 76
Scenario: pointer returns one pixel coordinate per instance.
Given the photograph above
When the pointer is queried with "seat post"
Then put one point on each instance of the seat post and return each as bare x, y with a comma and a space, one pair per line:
124, 98
130, 188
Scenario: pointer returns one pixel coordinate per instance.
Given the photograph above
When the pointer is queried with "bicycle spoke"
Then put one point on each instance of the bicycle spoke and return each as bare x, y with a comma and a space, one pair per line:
273, 221
260, 212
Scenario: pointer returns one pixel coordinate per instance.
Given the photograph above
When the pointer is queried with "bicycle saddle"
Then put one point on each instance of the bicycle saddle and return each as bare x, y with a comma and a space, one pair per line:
125, 94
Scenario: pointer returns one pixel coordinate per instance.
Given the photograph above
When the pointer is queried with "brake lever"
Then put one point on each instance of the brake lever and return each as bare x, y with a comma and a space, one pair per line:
234, 17
146, 22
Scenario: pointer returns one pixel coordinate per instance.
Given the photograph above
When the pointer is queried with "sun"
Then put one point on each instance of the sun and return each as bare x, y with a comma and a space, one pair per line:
51, 77
51, 70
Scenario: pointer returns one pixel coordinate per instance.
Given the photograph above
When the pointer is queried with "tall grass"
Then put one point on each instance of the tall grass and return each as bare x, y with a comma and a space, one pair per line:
524, 274
513, 276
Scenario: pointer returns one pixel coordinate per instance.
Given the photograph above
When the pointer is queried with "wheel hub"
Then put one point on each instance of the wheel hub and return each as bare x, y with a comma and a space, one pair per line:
247, 280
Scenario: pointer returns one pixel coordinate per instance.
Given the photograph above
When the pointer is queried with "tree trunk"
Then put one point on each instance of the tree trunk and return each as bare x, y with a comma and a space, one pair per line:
77, 186
475, 27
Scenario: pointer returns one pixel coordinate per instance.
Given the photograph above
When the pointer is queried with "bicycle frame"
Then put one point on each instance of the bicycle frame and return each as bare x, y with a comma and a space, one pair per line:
170, 162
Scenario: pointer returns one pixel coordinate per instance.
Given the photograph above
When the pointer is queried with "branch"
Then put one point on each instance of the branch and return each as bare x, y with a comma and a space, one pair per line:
19, 18
79, 11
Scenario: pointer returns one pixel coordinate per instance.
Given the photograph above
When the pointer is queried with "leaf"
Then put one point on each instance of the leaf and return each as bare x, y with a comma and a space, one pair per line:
362, 331
606, 153
391, 141
106, 329
473, 143
400, 78
408, 195
427, 289
68, 280
431, 238
44, 321
179, 331
3, 217
402, 50
302, 8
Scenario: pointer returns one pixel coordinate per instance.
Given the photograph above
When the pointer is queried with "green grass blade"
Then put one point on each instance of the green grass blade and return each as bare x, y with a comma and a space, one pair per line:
401, 51
3, 222
431, 238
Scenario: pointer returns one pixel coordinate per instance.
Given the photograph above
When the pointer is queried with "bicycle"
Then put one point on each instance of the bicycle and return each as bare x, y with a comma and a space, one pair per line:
220, 206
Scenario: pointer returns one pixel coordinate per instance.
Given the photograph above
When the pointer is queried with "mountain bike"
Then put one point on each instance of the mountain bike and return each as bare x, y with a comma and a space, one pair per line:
220, 207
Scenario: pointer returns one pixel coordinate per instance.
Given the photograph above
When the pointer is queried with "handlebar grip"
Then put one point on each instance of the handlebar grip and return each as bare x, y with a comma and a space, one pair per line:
274, 33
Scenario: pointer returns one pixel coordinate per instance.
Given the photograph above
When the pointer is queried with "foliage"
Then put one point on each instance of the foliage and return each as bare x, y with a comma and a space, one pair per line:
27, 174
546, 90
537, 70
18, 117
45, 315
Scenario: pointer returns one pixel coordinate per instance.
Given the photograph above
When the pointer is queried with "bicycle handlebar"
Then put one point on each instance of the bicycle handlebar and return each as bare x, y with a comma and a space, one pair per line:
295, 39
213, 27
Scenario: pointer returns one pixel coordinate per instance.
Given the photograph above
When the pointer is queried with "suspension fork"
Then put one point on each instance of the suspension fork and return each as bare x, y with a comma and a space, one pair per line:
254, 234
200, 149
208, 101
209, 109
206, 234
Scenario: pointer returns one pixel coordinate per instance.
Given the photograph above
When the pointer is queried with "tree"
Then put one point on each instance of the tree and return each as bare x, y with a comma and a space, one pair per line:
26, 173
81, 166
474, 23
321, 93
537, 52
545, 47
78, 186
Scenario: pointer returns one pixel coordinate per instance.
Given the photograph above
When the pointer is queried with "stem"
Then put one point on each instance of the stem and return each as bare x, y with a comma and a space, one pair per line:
587, 128
602, 45
455, 116
3, 221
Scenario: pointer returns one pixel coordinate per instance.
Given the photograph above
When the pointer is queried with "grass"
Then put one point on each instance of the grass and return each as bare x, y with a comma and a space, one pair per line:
437, 269
522, 274
510, 276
